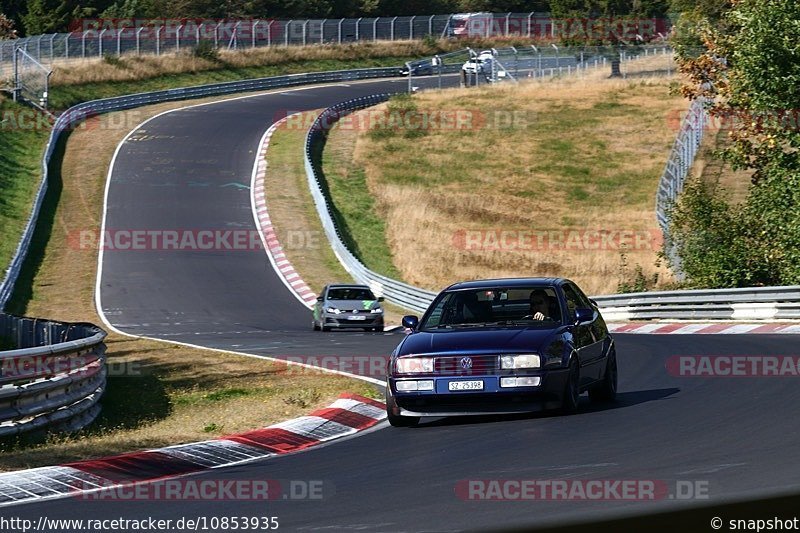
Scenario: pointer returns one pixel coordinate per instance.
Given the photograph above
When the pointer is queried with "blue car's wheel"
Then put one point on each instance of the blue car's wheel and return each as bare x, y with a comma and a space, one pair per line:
572, 391
396, 420
606, 390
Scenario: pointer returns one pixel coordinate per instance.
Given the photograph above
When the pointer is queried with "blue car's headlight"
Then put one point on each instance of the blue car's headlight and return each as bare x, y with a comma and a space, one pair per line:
414, 365
511, 362
333, 310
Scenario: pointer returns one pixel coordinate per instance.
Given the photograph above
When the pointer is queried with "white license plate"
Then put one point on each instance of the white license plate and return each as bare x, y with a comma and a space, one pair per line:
465, 385
356, 317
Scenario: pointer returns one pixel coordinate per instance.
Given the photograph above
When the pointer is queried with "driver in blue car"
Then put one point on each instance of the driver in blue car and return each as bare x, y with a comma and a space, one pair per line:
540, 308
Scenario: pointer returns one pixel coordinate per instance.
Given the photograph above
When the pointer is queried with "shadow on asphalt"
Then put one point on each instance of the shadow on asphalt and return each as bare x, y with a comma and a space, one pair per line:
624, 399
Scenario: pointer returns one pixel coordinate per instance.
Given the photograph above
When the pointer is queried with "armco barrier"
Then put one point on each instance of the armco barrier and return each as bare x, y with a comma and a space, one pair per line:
767, 303
80, 112
53, 379
402, 294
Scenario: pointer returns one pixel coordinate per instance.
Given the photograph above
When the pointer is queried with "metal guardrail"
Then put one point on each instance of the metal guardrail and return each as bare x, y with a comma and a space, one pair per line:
54, 378
76, 114
397, 292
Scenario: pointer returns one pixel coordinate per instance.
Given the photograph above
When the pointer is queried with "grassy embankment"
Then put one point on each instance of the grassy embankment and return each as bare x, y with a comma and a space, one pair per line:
570, 156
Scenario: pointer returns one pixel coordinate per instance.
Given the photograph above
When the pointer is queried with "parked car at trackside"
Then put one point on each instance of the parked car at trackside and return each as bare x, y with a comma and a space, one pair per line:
342, 306
501, 346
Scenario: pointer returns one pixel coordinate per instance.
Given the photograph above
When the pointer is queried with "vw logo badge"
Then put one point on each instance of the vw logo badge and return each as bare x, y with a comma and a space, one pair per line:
466, 363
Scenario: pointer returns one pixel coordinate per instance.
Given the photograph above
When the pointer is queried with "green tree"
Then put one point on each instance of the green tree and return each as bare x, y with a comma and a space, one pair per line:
7, 30
749, 74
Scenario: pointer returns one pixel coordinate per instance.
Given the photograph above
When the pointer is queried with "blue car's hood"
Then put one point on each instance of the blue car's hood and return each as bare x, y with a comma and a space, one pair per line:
478, 340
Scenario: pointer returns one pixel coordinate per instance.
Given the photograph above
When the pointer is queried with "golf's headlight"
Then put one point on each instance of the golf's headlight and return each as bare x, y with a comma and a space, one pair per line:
414, 365
333, 310
377, 310
511, 362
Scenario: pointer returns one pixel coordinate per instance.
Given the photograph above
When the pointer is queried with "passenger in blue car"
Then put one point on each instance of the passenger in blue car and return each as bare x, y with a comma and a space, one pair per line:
470, 309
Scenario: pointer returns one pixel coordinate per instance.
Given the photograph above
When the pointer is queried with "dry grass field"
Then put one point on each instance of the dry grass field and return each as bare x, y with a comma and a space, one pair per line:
574, 160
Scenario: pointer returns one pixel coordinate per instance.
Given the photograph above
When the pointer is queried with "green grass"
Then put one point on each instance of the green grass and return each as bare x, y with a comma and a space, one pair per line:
363, 227
22, 142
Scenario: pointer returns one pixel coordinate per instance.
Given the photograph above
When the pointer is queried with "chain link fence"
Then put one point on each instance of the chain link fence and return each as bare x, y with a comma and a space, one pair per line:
31, 79
94, 38
679, 164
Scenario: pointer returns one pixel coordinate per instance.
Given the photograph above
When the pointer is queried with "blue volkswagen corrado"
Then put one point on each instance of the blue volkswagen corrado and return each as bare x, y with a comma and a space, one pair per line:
501, 346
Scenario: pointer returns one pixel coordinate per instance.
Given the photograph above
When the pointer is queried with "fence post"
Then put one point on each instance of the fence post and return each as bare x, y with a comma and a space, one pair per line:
375, 29
83, 44
138, 40
253, 33
411, 27
286, 32
358, 29
322, 31
158, 40
557, 55
178, 38
508, 19
269, 33
52, 39
392, 33
430, 25
530, 22
305, 26
119, 42
341, 21
100, 43
15, 62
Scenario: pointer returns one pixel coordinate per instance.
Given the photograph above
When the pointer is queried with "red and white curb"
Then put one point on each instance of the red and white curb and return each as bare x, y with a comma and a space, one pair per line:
346, 416
286, 272
661, 328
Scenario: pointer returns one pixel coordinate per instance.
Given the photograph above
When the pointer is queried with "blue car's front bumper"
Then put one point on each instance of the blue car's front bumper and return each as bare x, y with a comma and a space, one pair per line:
492, 399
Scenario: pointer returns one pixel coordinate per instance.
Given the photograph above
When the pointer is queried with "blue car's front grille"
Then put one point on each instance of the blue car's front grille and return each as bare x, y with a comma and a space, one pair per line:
466, 364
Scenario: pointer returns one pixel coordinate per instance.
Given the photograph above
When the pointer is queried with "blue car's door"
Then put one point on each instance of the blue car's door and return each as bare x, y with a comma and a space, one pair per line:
590, 348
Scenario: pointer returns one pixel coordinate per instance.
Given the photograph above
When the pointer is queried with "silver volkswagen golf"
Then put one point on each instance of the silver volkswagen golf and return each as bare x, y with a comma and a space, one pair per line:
347, 306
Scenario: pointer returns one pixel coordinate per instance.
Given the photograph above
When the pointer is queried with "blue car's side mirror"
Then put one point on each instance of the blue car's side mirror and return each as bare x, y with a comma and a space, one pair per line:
410, 322
583, 315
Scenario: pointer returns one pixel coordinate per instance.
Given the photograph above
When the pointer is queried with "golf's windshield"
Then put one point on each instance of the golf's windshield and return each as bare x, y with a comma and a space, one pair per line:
527, 306
350, 293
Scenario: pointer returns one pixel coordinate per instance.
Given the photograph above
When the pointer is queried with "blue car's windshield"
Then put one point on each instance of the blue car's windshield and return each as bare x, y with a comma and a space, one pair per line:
528, 306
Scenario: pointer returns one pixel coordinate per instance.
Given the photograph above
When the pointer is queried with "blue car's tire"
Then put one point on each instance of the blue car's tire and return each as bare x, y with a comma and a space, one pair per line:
606, 390
398, 421
570, 398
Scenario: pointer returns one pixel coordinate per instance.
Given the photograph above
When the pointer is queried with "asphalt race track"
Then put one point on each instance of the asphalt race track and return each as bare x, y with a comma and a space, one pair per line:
729, 438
